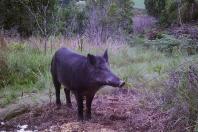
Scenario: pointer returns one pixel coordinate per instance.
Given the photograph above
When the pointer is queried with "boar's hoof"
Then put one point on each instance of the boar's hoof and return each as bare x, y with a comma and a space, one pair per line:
122, 83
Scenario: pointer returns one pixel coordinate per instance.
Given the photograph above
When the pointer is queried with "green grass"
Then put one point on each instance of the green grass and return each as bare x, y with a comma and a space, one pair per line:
139, 64
139, 4
26, 70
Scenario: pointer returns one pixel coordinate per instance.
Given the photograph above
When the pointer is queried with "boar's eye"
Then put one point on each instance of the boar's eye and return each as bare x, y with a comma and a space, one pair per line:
91, 59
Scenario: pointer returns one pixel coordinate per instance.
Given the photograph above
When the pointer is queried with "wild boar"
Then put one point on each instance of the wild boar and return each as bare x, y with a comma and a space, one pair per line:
83, 76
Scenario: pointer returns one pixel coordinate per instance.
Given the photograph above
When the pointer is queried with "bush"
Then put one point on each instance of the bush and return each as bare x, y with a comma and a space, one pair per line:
153, 35
30, 17
3, 70
166, 44
167, 11
181, 96
15, 14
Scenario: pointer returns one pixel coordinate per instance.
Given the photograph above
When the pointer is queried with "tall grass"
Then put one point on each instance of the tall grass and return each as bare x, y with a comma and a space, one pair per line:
137, 64
23, 70
180, 96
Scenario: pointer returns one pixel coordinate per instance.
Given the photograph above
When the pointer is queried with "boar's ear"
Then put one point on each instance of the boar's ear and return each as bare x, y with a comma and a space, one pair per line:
91, 59
106, 55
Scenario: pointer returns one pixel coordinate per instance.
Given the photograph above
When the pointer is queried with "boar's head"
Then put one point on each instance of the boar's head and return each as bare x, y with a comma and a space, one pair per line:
100, 72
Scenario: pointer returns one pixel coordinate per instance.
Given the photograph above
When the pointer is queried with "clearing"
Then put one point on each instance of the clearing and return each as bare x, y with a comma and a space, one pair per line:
121, 110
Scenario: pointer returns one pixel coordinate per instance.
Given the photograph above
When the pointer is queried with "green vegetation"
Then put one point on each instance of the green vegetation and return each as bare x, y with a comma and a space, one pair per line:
28, 16
50, 17
22, 70
159, 63
26, 70
155, 7
182, 91
173, 11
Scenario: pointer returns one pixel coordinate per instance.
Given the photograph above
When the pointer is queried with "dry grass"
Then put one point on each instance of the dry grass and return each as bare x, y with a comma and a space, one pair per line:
3, 44
144, 70
75, 43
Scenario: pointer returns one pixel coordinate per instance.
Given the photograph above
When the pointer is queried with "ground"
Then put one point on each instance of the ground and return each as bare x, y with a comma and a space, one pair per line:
128, 109
120, 110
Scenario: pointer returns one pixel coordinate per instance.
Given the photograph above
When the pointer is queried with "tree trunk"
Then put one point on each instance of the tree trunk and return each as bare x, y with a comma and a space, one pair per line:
45, 45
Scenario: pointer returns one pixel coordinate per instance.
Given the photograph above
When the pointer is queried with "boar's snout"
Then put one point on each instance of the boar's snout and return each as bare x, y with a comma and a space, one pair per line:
122, 83
115, 82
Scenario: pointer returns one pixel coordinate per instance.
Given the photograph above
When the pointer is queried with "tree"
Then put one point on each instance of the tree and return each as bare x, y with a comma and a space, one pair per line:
42, 12
14, 15
21, 14
155, 7
173, 11
127, 14
109, 18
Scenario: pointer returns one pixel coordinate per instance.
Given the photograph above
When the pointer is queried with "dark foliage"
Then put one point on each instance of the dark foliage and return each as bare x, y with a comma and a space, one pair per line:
155, 7
49, 17
173, 11
15, 14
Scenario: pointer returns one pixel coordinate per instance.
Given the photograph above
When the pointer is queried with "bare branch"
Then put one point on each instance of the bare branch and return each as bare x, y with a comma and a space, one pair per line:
34, 15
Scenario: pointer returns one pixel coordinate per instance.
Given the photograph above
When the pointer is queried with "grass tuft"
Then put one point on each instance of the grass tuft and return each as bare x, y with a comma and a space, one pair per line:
23, 70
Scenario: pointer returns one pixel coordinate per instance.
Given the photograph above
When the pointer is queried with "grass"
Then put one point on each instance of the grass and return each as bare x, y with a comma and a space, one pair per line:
146, 66
27, 69
139, 4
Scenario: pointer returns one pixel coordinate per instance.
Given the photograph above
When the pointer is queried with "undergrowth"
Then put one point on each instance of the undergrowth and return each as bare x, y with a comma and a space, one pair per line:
25, 70
22, 70
180, 97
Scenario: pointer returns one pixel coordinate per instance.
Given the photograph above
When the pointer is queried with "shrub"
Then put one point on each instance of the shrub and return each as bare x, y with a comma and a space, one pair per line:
173, 11
181, 96
141, 24
167, 44
15, 14
3, 70
50, 17
153, 35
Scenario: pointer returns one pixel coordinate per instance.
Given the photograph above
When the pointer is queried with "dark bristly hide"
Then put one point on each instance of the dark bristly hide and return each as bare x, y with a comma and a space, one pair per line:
83, 75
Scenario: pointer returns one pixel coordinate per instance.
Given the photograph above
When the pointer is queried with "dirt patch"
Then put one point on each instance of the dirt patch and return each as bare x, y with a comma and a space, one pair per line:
122, 110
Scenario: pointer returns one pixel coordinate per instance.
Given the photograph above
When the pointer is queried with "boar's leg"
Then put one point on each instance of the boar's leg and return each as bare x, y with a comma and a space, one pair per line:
79, 99
89, 100
57, 86
68, 99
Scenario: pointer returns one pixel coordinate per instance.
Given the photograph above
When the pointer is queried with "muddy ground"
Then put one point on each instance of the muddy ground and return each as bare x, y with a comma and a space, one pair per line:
122, 110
